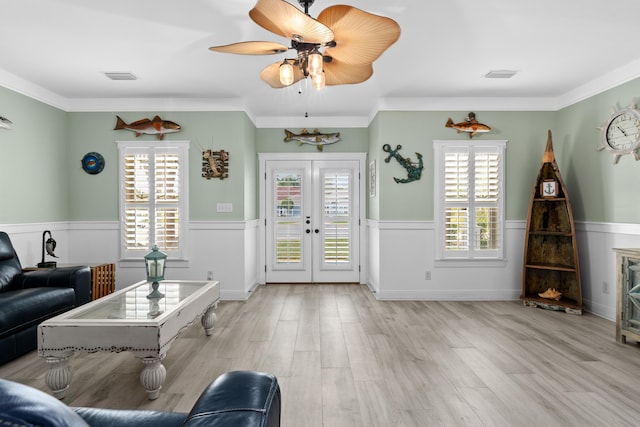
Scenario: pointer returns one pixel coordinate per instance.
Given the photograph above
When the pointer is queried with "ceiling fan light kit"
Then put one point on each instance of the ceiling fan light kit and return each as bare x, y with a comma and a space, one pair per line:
337, 48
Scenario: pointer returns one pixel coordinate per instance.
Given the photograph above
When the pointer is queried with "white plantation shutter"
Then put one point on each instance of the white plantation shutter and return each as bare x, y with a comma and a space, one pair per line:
288, 224
336, 200
487, 214
136, 200
456, 193
167, 207
469, 199
153, 197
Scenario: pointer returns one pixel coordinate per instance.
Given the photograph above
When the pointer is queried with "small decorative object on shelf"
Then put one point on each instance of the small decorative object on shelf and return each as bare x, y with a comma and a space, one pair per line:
155, 262
470, 125
549, 188
551, 294
215, 164
50, 246
551, 275
414, 170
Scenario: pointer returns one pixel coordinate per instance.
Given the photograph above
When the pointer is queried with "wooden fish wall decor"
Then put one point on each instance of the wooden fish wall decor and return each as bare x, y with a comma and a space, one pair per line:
215, 164
414, 170
316, 138
157, 126
470, 125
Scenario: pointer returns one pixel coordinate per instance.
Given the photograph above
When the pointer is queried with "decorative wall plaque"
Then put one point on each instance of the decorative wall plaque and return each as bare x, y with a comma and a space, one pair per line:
215, 164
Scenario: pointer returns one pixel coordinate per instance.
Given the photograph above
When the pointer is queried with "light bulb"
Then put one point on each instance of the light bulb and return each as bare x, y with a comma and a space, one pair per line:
286, 73
318, 80
315, 63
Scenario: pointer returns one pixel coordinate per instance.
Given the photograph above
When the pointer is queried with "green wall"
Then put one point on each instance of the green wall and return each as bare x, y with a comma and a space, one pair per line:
415, 131
604, 192
95, 197
43, 181
34, 161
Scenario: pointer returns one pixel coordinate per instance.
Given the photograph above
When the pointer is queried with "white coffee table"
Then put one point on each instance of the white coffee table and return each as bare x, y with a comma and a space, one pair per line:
127, 320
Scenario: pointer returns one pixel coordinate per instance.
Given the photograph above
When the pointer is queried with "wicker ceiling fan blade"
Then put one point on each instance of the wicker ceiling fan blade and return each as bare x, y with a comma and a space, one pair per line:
251, 48
271, 75
286, 20
340, 73
361, 37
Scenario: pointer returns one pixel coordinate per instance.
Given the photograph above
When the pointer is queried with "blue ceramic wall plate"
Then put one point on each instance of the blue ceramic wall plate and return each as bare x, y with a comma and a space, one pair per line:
93, 163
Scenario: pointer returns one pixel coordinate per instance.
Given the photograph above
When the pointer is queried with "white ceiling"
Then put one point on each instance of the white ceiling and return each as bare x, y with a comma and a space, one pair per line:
564, 50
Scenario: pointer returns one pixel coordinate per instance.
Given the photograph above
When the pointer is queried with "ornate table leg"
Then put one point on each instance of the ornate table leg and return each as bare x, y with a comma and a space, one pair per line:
58, 376
209, 319
153, 375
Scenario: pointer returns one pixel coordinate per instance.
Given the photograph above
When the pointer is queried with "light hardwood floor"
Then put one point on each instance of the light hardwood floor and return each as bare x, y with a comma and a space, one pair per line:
344, 359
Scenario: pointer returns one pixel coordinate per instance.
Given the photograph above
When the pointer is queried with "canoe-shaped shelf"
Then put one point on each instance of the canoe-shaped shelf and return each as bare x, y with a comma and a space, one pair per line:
550, 248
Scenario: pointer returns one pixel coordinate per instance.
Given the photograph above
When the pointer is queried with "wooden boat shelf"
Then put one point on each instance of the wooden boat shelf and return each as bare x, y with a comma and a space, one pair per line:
551, 251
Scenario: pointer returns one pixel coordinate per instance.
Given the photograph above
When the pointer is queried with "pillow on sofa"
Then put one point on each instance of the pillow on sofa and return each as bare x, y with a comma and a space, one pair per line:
26, 406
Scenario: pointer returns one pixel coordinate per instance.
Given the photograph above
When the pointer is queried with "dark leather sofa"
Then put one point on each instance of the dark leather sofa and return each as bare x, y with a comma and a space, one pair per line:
235, 399
28, 298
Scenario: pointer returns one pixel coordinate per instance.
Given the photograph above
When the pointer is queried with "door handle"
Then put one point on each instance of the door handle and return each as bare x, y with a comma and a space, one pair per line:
317, 231
308, 231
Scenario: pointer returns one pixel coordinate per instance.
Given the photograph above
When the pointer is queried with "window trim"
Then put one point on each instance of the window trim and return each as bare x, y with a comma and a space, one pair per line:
182, 148
440, 148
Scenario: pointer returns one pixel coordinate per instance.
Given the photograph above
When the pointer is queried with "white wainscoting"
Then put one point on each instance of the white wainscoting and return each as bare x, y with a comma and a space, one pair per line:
398, 255
228, 249
407, 255
401, 253
596, 242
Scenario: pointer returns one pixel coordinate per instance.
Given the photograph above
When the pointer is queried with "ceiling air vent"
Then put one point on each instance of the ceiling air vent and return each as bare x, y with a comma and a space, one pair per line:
121, 76
500, 74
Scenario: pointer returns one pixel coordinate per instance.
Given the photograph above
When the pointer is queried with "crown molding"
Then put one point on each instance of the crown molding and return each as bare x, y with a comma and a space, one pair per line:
603, 83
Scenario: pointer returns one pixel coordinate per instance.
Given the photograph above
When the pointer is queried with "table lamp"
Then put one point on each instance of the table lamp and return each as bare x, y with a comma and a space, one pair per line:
155, 262
49, 245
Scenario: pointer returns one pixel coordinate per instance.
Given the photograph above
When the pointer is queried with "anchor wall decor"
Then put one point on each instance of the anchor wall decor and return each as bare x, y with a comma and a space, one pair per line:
215, 164
414, 170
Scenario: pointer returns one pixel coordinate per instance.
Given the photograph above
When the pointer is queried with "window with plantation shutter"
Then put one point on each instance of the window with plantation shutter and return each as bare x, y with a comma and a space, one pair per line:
153, 197
469, 199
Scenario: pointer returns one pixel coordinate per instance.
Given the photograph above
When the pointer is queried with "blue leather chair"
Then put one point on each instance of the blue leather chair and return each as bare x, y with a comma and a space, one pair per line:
28, 298
235, 399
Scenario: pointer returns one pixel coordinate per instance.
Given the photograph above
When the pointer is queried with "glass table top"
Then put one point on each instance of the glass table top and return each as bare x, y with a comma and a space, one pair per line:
132, 303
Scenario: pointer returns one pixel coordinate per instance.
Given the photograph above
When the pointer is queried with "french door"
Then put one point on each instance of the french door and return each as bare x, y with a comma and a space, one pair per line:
312, 221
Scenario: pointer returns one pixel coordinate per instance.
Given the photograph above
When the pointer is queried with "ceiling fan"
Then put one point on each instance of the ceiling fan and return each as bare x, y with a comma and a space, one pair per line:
337, 48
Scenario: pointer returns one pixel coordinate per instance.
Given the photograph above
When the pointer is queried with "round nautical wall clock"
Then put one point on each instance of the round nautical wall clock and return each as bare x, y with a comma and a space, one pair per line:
93, 163
621, 133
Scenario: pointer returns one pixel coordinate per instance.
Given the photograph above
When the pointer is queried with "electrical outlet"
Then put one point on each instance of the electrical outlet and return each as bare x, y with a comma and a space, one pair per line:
209, 275
605, 287
427, 275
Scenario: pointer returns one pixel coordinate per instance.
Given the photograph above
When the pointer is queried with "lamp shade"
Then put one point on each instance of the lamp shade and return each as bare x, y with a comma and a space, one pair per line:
155, 261
286, 73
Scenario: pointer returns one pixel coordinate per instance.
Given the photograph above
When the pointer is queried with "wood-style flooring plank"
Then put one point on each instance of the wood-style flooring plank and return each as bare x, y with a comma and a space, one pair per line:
344, 358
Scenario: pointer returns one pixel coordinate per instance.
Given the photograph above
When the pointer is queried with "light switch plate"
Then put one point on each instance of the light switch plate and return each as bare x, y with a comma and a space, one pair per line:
224, 207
